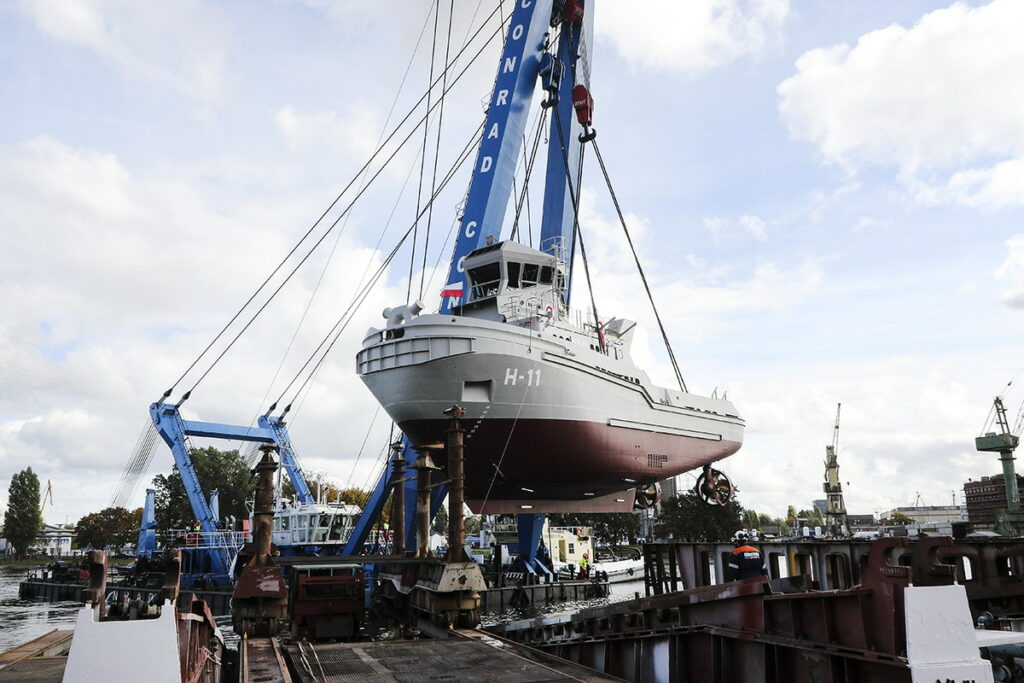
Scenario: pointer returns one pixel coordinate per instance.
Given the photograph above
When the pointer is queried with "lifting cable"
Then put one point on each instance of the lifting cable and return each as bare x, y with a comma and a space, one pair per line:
639, 267
330, 207
337, 239
524, 196
577, 234
437, 144
436, 6
340, 325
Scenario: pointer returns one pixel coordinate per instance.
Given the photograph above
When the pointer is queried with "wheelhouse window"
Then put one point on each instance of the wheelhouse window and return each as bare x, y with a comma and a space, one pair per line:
484, 280
530, 274
545, 275
514, 270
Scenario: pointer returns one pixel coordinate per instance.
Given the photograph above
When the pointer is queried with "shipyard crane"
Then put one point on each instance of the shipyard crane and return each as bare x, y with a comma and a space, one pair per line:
527, 59
1005, 442
836, 522
176, 432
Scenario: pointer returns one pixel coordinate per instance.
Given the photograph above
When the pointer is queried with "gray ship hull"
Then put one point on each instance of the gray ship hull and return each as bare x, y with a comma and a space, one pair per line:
552, 424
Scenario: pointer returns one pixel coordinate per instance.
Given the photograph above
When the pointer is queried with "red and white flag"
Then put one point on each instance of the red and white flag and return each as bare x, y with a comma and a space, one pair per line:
454, 289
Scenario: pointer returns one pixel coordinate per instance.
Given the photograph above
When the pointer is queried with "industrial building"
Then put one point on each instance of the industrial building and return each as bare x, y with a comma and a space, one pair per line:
986, 497
928, 514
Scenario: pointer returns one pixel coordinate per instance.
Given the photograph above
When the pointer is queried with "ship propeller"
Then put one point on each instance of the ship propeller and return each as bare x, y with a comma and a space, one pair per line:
714, 488
647, 496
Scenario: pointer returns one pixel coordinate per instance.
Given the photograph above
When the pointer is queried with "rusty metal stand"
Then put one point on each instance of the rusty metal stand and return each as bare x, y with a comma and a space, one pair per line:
260, 602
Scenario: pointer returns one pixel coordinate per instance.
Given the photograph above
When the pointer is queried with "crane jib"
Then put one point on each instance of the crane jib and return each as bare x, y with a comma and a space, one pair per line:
491, 185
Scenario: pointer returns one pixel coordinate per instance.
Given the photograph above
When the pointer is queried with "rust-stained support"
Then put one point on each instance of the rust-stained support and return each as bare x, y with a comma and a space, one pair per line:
263, 510
96, 593
423, 466
260, 600
172, 577
398, 500
456, 489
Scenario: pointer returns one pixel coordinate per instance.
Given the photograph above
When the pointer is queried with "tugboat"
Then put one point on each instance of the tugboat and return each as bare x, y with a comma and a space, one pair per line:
560, 417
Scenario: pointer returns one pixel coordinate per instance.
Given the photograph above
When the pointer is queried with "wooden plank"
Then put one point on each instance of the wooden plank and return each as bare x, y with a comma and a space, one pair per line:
57, 641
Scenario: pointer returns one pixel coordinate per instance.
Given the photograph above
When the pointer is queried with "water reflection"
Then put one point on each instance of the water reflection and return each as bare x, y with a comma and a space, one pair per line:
618, 592
23, 620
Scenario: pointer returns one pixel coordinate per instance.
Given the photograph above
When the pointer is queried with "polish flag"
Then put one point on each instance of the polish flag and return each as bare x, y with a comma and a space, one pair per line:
453, 290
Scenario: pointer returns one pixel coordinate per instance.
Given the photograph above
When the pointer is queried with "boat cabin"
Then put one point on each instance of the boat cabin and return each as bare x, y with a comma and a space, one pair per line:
313, 524
511, 282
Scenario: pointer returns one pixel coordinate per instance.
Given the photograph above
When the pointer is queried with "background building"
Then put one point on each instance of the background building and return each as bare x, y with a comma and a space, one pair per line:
985, 498
928, 514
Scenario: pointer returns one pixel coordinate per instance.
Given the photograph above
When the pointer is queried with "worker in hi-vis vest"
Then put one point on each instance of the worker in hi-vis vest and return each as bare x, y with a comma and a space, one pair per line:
745, 562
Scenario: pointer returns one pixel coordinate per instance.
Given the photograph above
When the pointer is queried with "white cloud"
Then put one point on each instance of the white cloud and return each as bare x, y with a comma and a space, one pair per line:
112, 278
693, 36
1012, 272
938, 101
723, 229
755, 226
356, 132
178, 44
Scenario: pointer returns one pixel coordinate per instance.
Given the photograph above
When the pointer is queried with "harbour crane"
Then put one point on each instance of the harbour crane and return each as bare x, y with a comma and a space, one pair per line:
176, 432
1005, 442
836, 521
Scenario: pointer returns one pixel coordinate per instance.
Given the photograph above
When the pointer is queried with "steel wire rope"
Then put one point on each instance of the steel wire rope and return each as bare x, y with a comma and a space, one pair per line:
501, 459
437, 147
324, 236
361, 296
347, 186
436, 5
337, 239
362, 446
527, 171
132, 463
639, 267
577, 233
364, 292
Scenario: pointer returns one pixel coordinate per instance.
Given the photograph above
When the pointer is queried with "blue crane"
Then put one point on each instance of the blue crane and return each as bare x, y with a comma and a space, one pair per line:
175, 430
528, 57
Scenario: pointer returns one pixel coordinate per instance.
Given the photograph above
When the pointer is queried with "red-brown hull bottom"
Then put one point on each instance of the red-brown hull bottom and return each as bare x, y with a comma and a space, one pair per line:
563, 460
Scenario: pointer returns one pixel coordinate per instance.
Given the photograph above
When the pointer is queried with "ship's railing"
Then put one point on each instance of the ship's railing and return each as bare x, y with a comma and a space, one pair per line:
204, 540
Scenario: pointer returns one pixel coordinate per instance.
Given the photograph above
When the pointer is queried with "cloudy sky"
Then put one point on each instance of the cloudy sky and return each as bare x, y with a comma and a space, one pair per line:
827, 195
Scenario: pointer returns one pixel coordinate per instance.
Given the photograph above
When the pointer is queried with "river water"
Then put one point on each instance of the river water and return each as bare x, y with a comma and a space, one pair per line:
22, 620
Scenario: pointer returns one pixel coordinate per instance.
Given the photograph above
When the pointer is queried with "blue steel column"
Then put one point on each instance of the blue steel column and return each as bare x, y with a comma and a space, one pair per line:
288, 460
491, 185
145, 546
171, 428
557, 221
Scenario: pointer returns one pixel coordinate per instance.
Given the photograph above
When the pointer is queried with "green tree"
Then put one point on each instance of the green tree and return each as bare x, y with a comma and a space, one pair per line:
108, 528
354, 496
686, 517
751, 520
224, 471
24, 519
791, 516
899, 519
440, 525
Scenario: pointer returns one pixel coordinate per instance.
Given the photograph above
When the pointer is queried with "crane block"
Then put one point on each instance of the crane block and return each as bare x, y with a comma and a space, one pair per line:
583, 103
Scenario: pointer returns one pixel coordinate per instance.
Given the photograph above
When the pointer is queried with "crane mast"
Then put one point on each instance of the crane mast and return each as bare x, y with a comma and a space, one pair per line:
836, 521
